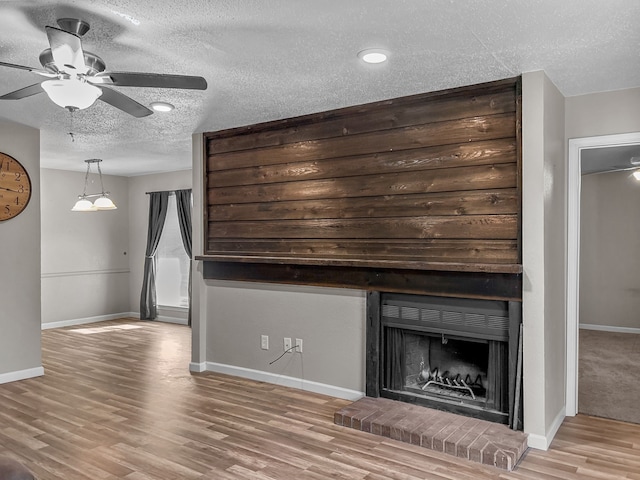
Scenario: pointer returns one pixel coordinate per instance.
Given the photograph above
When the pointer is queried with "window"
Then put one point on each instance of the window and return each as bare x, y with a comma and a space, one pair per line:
172, 276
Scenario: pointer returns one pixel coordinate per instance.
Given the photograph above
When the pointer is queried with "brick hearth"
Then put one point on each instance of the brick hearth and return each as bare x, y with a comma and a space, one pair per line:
473, 439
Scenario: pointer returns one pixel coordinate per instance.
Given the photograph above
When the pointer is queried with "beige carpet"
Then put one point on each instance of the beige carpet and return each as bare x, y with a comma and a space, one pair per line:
609, 375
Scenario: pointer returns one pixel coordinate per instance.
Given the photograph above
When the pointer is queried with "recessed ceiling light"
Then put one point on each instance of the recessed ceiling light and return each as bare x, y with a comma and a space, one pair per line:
373, 55
162, 106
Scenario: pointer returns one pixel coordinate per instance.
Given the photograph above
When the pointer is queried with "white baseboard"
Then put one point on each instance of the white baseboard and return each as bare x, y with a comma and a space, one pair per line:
283, 380
609, 328
542, 442
83, 321
21, 375
165, 319
198, 367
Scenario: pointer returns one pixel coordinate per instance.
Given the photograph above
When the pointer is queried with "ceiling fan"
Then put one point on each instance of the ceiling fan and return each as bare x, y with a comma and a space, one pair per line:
78, 78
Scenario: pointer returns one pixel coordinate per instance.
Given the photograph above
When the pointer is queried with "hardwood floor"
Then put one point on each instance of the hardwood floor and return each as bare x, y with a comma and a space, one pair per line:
118, 401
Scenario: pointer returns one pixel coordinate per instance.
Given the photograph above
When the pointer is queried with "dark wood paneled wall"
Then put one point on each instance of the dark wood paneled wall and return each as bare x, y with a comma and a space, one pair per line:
424, 182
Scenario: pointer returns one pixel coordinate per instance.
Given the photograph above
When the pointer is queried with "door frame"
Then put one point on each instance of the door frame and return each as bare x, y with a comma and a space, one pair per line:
574, 182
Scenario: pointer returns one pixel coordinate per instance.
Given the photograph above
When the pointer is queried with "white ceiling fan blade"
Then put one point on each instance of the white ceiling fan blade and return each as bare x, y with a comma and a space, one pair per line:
66, 49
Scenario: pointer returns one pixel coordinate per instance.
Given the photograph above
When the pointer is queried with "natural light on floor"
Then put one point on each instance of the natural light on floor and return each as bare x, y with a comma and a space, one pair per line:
89, 331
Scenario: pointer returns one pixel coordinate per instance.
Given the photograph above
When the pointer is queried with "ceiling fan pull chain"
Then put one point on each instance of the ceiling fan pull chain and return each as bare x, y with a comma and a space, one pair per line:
73, 138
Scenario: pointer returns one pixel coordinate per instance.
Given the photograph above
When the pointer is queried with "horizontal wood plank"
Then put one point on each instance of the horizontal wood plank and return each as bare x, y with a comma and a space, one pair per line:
377, 184
466, 227
481, 177
428, 250
463, 130
445, 156
393, 114
475, 202
447, 281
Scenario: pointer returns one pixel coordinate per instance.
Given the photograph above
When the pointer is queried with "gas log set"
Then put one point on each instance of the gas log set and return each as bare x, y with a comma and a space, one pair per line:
454, 383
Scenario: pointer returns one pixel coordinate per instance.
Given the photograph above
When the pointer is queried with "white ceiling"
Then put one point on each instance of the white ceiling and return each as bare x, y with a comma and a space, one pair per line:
265, 60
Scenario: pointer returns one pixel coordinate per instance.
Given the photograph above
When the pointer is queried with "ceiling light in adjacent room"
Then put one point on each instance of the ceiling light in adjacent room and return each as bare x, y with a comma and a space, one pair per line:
373, 55
636, 175
162, 106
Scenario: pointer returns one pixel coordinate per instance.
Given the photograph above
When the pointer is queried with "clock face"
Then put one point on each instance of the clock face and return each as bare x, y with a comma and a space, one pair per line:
15, 187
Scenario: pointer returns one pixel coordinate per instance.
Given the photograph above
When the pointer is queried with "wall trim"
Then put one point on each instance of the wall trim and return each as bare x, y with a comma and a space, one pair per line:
21, 374
83, 321
165, 319
198, 367
281, 380
542, 442
84, 272
171, 308
609, 328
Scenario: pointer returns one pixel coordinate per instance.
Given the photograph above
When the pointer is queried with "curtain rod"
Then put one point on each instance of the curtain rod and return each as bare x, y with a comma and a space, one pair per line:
170, 192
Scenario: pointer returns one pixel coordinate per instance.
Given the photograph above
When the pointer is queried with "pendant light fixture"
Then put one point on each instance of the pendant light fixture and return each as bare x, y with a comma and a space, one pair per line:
103, 202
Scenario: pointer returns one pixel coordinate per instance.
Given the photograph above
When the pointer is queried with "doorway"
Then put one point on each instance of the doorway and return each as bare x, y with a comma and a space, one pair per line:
577, 148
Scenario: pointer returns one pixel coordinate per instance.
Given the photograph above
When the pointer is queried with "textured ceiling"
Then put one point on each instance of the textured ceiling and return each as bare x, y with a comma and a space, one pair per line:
265, 60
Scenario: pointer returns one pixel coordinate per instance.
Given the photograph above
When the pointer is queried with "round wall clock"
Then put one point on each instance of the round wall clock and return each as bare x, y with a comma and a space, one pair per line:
15, 187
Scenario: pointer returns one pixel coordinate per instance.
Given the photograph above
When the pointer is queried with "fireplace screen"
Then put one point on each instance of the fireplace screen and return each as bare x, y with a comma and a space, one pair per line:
447, 368
447, 353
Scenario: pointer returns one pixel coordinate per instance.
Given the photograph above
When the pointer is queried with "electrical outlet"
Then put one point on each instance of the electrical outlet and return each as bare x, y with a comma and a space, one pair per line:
287, 344
299, 345
264, 342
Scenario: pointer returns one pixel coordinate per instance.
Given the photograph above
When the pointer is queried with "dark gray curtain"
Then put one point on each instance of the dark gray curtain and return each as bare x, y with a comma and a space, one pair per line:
183, 201
158, 203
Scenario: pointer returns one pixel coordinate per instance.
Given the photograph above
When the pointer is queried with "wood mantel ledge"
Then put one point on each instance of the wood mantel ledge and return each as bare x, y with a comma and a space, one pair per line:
342, 262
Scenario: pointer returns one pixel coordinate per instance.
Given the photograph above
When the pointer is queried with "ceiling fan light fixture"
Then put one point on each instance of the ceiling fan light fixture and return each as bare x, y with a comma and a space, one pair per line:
373, 55
71, 93
161, 106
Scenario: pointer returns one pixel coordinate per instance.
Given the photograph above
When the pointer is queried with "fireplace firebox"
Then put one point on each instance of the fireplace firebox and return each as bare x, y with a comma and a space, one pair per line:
454, 354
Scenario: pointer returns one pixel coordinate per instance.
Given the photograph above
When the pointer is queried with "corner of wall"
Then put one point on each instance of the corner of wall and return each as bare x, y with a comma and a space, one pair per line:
199, 288
543, 442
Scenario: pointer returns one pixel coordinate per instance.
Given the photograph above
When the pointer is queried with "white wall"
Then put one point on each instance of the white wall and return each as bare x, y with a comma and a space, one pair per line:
138, 225
604, 113
331, 323
544, 243
85, 258
609, 246
20, 265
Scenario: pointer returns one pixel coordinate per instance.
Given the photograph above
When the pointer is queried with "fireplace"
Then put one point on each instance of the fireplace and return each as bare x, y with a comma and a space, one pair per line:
453, 354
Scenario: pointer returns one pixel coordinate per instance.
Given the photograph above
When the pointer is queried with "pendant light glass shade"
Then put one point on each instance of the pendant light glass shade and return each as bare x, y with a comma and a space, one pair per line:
84, 205
104, 203
71, 93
